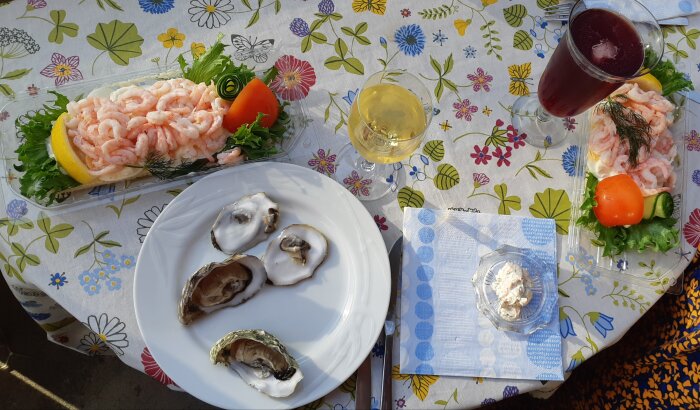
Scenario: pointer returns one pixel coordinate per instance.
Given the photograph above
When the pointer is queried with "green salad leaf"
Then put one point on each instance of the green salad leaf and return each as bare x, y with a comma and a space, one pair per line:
671, 79
658, 234
213, 64
42, 178
257, 141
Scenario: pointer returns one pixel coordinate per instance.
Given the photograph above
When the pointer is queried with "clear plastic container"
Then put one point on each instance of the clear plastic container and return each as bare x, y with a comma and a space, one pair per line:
538, 312
652, 269
89, 196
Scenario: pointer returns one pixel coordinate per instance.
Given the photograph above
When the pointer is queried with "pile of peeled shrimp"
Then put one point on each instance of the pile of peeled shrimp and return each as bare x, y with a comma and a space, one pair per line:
177, 120
608, 155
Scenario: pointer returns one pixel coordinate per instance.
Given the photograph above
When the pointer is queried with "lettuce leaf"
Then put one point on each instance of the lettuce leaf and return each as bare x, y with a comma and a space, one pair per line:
211, 65
671, 79
658, 234
42, 179
257, 141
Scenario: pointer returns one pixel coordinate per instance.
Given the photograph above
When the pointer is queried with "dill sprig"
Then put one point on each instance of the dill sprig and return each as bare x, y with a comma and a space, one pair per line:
630, 126
163, 168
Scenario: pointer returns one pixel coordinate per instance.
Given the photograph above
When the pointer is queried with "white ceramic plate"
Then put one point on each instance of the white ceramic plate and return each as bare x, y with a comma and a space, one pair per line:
329, 322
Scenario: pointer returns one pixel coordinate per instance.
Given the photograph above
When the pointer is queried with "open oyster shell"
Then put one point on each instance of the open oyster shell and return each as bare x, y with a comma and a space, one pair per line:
244, 223
295, 254
260, 359
221, 284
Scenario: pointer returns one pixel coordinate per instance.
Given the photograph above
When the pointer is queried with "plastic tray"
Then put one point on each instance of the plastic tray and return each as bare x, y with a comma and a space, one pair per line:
88, 196
633, 266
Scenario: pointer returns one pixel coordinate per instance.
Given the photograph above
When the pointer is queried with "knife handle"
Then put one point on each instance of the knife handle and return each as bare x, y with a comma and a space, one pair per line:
364, 385
387, 397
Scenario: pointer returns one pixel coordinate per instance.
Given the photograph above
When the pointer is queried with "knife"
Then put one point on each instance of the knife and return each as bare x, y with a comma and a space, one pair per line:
363, 388
390, 324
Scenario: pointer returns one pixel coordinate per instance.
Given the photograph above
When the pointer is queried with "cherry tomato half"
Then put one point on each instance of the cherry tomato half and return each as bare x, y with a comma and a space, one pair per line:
619, 201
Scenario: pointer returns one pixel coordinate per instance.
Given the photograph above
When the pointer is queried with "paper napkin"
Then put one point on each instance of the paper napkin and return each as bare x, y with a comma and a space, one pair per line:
442, 331
667, 9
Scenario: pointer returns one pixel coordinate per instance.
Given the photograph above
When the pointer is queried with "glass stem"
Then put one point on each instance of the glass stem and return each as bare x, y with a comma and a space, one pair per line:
542, 115
366, 166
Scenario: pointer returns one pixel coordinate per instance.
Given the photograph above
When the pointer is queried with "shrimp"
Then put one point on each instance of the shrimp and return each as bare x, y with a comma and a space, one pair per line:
663, 144
185, 130
86, 147
653, 175
111, 128
72, 123
176, 101
636, 94
142, 146
233, 156
137, 101
160, 117
104, 114
160, 88
197, 92
202, 120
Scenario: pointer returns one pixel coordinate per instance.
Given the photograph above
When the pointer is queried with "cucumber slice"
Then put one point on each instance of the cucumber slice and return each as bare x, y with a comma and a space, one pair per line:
659, 205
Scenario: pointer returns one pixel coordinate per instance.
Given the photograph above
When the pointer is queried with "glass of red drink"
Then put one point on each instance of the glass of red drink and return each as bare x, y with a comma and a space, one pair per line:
607, 43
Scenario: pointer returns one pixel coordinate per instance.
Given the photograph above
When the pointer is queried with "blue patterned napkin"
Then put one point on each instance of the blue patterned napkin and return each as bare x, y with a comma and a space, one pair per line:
442, 332
667, 9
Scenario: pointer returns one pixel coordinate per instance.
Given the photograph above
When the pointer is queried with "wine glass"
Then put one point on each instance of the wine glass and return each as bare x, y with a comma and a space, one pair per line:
386, 124
607, 43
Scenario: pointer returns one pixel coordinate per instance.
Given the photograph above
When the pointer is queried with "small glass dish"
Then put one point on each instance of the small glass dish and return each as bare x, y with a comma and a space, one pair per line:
538, 312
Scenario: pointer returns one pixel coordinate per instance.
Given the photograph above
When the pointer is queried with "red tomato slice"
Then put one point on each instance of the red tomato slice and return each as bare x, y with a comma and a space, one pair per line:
254, 98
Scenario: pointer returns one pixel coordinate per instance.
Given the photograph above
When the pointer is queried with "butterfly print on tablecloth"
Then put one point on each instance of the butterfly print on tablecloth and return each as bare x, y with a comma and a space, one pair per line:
247, 48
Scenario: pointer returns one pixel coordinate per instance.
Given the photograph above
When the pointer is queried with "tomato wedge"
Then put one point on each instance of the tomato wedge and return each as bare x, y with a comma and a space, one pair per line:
619, 201
256, 97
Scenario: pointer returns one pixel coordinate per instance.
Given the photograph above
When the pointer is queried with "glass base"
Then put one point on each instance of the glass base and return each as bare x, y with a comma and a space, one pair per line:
543, 130
366, 180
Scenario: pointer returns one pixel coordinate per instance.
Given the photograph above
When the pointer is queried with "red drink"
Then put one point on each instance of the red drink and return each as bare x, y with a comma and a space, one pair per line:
607, 50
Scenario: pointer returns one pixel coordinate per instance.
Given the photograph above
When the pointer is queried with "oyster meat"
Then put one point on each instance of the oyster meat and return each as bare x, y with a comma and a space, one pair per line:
244, 223
221, 284
260, 359
295, 254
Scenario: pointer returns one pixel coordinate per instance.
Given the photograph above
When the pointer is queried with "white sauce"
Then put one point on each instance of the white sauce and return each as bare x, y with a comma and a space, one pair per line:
513, 287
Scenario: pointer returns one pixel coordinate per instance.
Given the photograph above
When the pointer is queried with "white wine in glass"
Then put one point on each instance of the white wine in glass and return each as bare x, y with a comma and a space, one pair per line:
386, 125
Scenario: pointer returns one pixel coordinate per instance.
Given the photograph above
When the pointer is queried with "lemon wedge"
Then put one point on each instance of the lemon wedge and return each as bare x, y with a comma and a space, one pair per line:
66, 155
648, 82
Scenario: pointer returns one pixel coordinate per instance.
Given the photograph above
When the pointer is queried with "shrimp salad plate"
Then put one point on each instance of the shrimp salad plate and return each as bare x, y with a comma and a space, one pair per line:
631, 177
327, 323
205, 115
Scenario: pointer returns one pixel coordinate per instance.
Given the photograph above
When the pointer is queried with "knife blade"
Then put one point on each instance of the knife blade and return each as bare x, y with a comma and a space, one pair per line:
390, 324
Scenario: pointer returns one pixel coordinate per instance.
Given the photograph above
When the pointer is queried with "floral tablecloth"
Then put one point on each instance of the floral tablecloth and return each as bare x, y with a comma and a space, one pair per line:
73, 272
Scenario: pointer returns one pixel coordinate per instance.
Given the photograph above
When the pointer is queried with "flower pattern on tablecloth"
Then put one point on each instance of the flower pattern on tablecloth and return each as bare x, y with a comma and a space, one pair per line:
106, 331
479, 55
151, 368
156, 6
145, 222
58, 279
210, 13
294, 79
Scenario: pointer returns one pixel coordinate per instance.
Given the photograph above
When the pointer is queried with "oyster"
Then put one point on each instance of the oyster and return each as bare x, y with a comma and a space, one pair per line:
244, 223
295, 254
260, 359
221, 284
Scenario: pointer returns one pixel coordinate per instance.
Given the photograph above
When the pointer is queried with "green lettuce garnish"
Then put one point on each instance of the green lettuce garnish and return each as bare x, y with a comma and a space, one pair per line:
213, 64
671, 80
42, 178
257, 141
